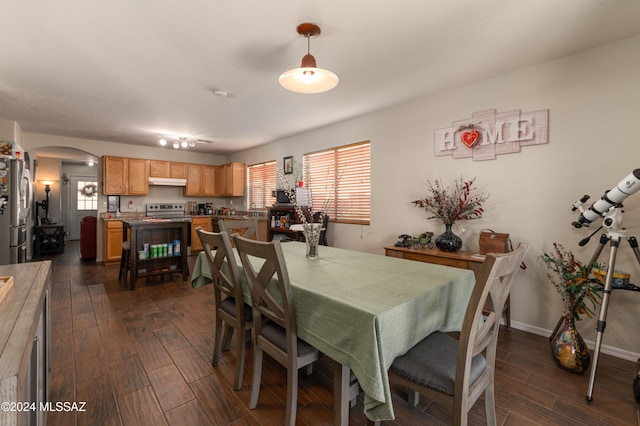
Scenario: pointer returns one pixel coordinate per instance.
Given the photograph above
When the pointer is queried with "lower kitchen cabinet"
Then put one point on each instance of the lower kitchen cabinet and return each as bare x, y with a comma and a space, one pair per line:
203, 222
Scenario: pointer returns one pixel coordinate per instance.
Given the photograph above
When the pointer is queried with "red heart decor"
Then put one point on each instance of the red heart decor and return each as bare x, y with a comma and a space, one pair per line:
470, 138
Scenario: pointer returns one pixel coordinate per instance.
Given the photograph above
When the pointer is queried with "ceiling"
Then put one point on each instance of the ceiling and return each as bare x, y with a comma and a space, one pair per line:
133, 71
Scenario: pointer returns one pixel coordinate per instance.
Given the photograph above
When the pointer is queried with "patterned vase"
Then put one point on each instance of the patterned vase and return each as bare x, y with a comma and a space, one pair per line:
448, 241
569, 349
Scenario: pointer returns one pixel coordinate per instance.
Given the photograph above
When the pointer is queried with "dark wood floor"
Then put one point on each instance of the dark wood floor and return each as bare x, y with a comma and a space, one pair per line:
143, 358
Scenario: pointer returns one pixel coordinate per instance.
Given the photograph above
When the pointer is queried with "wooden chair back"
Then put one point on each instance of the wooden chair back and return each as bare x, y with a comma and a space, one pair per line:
247, 228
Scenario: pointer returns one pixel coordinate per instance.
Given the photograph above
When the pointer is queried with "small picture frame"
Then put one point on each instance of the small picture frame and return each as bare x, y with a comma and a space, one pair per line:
113, 203
287, 165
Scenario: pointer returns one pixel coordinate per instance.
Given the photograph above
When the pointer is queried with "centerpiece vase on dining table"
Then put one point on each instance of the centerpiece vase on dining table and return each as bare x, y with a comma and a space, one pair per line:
569, 349
448, 241
312, 239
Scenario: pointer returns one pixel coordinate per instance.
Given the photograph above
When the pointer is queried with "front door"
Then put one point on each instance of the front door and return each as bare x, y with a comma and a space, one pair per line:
83, 201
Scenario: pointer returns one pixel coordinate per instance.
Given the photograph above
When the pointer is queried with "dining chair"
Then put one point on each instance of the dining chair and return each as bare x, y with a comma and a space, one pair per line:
229, 300
456, 372
247, 228
274, 319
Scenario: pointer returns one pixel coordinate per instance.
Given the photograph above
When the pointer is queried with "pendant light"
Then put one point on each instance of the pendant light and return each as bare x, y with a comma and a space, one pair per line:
308, 78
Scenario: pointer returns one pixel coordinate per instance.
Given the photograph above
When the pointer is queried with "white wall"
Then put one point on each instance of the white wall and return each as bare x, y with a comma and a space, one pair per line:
594, 100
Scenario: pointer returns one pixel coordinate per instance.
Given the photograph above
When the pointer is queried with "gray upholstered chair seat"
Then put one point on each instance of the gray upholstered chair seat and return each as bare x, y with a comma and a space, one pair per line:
432, 363
229, 306
278, 336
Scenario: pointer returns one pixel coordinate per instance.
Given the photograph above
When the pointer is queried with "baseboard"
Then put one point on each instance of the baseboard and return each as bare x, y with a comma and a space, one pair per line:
609, 350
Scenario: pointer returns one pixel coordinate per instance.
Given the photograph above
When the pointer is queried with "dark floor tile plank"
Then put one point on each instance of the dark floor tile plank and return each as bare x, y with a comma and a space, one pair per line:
127, 375
191, 364
140, 407
189, 413
172, 339
218, 400
152, 353
99, 398
170, 387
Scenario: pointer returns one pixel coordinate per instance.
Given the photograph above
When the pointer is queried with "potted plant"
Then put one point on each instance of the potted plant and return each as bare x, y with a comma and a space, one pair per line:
580, 294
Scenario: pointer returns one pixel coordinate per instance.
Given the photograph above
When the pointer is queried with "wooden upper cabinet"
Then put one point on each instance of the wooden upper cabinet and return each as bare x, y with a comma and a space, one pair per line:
125, 176
115, 175
194, 186
232, 180
138, 176
167, 169
201, 180
209, 180
177, 170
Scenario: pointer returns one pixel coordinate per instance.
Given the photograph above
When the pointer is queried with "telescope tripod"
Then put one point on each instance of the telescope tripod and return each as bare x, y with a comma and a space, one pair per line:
614, 243
615, 233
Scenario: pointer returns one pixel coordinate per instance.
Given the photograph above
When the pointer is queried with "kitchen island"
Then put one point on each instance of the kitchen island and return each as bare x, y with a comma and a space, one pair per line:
24, 343
156, 232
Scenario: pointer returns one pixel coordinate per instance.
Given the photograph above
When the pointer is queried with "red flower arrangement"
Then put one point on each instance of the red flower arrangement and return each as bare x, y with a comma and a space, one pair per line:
452, 205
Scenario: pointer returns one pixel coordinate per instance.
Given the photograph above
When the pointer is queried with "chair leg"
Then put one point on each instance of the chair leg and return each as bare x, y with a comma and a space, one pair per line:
226, 340
257, 372
217, 345
490, 405
292, 396
241, 345
413, 398
124, 265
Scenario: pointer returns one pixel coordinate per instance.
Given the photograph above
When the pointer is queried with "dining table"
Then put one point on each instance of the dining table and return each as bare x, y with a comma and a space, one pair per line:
363, 310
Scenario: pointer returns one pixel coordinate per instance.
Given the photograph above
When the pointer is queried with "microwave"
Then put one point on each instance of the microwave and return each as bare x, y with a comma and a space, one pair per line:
303, 196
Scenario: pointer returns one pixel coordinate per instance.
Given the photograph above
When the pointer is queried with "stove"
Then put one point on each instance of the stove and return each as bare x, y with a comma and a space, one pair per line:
167, 211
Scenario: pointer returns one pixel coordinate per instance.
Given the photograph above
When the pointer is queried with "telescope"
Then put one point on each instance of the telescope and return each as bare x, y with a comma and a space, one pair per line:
611, 198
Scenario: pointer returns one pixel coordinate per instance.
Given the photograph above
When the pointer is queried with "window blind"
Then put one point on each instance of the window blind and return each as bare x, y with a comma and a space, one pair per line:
261, 181
344, 175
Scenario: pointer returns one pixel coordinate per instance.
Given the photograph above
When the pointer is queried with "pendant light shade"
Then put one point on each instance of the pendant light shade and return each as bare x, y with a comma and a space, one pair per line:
308, 78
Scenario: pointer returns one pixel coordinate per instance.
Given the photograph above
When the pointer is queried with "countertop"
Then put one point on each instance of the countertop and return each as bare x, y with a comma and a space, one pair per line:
19, 315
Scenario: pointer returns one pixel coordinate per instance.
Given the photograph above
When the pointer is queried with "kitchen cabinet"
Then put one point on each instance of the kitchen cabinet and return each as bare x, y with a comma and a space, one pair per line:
167, 169
202, 181
125, 176
112, 241
204, 222
233, 178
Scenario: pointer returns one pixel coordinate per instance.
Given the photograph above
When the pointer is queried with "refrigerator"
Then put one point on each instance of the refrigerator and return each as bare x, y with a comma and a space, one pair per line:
16, 198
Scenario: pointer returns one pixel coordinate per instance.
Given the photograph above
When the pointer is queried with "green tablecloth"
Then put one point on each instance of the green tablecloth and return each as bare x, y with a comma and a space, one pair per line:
363, 310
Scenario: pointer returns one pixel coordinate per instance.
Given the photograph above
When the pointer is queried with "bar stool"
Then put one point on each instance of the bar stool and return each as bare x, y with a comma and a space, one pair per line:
124, 260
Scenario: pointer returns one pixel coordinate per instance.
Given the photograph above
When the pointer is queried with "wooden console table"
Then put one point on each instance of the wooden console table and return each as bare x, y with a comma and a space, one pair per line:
459, 259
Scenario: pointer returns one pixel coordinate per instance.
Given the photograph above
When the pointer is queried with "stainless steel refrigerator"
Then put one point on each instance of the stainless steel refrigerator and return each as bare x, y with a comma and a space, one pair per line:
16, 198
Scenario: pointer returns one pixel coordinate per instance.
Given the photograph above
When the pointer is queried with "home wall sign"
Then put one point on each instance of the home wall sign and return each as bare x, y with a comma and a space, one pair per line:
489, 133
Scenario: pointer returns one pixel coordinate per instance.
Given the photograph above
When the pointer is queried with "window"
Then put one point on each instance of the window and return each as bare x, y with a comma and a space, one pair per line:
262, 180
348, 169
87, 195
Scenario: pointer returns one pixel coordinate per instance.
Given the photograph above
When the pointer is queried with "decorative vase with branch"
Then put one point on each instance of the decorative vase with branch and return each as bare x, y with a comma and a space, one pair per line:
580, 294
312, 230
450, 206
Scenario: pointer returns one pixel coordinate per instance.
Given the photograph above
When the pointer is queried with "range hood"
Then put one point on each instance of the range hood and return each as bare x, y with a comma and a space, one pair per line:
167, 181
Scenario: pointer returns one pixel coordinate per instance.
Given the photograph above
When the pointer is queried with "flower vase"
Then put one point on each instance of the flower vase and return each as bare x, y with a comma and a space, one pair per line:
569, 349
448, 241
312, 239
